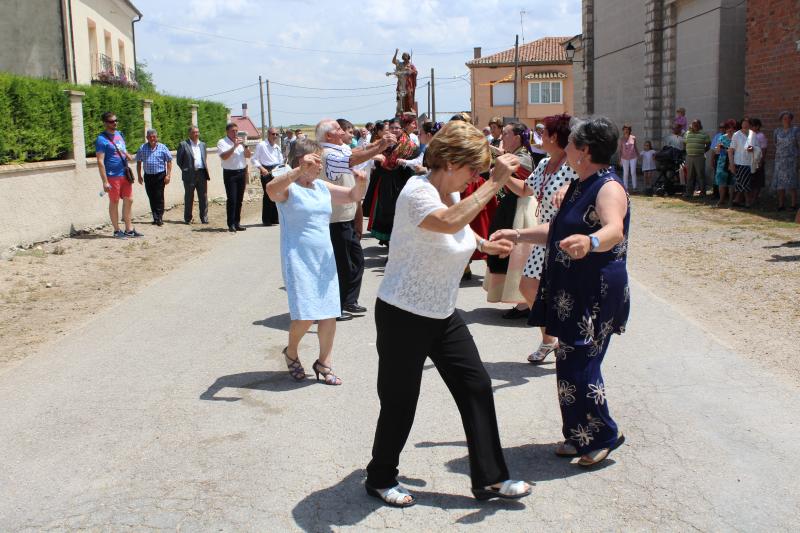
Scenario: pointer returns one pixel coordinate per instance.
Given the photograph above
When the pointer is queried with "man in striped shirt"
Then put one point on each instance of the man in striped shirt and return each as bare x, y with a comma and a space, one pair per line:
347, 221
697, 144
157, 162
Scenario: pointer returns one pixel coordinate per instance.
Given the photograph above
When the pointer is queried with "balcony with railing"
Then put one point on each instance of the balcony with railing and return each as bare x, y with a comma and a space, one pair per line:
105, 71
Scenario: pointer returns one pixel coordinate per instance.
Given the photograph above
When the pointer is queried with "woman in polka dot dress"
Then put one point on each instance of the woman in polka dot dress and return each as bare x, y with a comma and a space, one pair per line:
550, 175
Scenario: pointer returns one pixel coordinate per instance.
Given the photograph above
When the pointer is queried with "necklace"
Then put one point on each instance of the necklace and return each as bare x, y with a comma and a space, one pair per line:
546, 181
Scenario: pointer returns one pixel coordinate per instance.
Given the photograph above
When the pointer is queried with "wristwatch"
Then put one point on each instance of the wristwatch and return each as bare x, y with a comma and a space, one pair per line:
594, 242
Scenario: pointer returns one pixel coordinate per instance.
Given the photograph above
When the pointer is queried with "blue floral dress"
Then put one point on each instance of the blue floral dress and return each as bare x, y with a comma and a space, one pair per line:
787, 151
582, 302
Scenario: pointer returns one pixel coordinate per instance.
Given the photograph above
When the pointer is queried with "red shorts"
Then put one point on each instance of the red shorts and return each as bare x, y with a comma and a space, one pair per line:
120, 188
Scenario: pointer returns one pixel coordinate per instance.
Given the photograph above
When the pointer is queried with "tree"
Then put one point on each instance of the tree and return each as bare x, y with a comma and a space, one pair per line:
144, 78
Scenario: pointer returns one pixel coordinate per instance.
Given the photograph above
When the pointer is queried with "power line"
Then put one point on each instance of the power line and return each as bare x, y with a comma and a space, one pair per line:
302, 49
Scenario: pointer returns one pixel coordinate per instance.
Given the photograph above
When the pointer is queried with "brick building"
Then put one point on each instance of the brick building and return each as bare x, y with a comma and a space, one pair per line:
772, 61
544, 82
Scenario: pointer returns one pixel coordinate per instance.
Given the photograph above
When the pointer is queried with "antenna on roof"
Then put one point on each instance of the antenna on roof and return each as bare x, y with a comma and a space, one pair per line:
522, 14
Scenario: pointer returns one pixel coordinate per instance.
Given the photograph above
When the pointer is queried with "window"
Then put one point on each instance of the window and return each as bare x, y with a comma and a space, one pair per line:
544, 92
503, 94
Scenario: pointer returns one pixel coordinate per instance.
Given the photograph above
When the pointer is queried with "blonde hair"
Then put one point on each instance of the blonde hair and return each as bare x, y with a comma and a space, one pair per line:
459, 144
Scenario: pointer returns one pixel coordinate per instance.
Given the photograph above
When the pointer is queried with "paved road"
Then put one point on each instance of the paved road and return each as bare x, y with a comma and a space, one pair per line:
172, 410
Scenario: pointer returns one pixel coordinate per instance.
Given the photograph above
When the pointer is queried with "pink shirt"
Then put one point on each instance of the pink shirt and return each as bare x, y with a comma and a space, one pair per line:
629, 150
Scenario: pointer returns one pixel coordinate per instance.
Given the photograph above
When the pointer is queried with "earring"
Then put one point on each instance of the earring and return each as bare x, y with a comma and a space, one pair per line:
580, 161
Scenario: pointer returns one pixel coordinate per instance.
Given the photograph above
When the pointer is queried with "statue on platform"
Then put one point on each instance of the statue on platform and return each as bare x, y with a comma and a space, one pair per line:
406, 74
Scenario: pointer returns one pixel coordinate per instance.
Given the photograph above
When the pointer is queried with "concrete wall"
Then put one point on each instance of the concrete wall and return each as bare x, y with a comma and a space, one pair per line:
110, 16
703, 50
619, 61
31, 38
483, 111
42, 200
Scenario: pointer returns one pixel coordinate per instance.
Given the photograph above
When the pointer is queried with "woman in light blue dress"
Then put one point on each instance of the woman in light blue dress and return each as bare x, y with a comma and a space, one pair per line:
307, 260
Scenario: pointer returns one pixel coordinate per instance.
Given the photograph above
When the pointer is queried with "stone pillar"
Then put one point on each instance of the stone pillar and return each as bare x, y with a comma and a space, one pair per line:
669, 36
588, 55
148, 115
78, 141
194, 113
653, 73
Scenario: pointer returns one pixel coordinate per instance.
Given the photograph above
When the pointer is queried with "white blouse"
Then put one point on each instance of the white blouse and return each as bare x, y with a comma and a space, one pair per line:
425, 267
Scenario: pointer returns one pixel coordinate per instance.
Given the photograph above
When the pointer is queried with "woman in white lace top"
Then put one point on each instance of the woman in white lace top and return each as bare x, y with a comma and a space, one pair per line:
416, 317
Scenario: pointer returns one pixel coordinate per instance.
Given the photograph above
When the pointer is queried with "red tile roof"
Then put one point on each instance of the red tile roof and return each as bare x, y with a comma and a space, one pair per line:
245, 124
544, 50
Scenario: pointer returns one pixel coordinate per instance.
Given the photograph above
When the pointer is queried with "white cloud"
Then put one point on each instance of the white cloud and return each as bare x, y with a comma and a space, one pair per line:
360, 37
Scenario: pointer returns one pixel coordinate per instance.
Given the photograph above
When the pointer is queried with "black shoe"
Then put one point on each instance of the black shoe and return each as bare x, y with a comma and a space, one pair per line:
160, 223
516, 313
204, 221
240, 228
355, 308
231, 229
187, 222
345, 316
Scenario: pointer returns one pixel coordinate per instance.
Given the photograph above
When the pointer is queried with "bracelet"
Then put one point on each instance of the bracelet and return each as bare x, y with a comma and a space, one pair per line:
518, 235
480, 244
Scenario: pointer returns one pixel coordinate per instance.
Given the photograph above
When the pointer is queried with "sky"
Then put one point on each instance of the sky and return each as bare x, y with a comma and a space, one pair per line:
339, 53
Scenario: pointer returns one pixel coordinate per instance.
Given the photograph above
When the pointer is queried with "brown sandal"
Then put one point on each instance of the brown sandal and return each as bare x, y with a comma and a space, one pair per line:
296, 370
327, 374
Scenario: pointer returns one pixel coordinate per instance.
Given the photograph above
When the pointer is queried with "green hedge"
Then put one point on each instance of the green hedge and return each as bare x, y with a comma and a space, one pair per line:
36, 125
35, 122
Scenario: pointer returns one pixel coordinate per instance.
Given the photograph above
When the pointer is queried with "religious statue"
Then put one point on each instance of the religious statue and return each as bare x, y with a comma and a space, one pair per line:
406, 74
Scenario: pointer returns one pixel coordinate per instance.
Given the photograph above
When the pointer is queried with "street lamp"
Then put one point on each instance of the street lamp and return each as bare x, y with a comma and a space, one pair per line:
570, 50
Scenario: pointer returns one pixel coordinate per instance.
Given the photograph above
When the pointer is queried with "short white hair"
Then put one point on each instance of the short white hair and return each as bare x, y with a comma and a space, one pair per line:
324, 127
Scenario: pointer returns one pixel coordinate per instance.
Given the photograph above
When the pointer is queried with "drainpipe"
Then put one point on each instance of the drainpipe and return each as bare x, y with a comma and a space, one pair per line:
70, 71
133, 34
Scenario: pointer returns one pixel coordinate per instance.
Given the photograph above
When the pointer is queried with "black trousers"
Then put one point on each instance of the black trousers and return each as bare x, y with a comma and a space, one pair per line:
234, 181
349, 260
405, 340
154, 186
269, 211
198, 183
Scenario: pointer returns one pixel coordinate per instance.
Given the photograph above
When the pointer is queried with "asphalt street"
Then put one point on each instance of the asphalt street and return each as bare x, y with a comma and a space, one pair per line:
173, 410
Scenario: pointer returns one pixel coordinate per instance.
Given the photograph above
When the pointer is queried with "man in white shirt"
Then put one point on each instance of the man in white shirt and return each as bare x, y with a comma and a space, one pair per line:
346, 220
536, 145
234, 155
191, 159
268, 156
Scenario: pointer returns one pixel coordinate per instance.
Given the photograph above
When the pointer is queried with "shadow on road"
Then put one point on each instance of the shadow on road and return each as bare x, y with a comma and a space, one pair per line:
347, 504
787, 244
529, 462
276, 322
783, 258
515, 374
491, 316
274, 381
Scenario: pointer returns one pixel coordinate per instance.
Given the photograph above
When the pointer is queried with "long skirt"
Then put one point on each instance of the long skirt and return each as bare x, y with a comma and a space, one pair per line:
503, 275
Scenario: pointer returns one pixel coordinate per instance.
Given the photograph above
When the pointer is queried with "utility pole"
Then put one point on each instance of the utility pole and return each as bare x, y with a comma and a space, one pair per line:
269, 106
263, 121
433, 97
429, 101
516, 68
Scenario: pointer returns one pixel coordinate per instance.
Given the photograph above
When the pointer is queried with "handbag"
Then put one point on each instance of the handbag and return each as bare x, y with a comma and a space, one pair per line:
128, 171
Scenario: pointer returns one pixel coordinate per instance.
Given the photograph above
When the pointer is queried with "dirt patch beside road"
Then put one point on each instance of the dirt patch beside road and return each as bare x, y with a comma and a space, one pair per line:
734, 272
51, 288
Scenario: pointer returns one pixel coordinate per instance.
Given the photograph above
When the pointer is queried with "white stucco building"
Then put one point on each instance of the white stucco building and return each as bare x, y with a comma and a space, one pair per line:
73, 40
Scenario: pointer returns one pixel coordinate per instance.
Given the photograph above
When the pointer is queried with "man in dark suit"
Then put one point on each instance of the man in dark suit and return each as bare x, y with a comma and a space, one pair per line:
191, 159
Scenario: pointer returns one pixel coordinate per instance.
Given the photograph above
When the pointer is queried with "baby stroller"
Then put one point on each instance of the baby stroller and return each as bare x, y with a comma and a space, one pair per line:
668, 162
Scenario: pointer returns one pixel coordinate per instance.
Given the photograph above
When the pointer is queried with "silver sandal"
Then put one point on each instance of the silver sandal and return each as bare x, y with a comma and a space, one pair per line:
542, 352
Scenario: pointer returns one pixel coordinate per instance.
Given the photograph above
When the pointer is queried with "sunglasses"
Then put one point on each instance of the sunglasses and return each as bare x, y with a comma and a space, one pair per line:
112, 121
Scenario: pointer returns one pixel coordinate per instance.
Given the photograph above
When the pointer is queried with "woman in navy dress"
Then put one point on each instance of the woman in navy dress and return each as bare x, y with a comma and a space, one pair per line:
584, 295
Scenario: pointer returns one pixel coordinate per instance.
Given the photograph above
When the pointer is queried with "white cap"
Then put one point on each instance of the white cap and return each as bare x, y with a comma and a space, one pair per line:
539, 125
